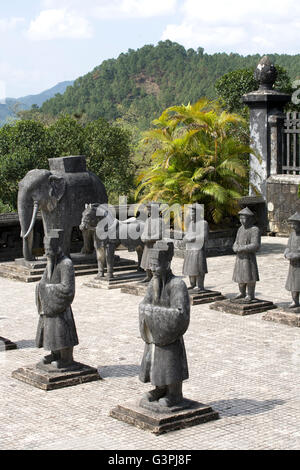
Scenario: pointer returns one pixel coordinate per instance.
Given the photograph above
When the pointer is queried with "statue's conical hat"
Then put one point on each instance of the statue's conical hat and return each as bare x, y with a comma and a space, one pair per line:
295, 217
246, 211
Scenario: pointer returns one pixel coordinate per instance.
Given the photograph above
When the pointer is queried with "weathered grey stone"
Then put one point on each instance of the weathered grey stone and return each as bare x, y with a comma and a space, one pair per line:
247, 243
109, 233
6, 344
190, 413
205, 297
60, 195
265, 134
238, 308
285, 316
51, 380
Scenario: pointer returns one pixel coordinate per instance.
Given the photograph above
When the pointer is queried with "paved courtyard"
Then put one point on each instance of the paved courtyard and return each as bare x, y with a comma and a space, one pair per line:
245, 368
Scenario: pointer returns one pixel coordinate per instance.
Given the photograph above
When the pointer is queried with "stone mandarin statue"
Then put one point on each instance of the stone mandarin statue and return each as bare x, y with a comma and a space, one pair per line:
54, 295
195, 265
164, 317
153, 231
292, 253
246, 245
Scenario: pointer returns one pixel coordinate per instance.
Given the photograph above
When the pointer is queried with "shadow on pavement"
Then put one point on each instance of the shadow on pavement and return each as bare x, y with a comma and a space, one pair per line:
126, 370
26, 343
240, 406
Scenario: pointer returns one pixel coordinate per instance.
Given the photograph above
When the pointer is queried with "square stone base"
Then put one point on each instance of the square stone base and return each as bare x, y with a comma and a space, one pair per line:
6, 344
48, 380
189, 414
135, 289
204, 297
283, 316
240, 308
117, 282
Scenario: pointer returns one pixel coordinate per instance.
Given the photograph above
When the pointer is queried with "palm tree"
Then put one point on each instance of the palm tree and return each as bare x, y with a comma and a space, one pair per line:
198, 158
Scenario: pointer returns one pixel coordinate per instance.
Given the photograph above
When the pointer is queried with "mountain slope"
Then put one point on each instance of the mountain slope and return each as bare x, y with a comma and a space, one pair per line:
142, 83
25, 102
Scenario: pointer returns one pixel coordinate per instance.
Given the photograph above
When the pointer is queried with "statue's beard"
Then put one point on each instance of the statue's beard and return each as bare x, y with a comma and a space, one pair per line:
50, 266
156, 288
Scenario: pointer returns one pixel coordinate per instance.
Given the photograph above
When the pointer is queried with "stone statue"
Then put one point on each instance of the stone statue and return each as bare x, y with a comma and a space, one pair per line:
113, 233
54, 294
292, 253
153, 231
164, 317
247, 243
195, 265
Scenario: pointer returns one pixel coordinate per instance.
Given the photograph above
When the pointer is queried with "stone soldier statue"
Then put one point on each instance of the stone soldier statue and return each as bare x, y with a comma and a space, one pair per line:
54, 294
246, 245
164, 317
153, 231
292, 253
195, 265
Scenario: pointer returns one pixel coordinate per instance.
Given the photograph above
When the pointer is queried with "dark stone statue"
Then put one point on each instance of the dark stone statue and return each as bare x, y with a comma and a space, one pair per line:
54, 295
246, 245
195, 265
164, 317
292, 253
153, 231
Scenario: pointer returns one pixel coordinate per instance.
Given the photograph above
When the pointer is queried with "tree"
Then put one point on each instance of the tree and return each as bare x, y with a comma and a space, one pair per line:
197, 159
233, 85
107, 148
66, 137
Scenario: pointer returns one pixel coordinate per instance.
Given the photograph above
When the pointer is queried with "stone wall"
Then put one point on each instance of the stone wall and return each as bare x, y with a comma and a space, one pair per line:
282, 202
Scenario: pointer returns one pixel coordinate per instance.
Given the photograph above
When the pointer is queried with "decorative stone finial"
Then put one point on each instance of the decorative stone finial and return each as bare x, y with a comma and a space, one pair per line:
265, 73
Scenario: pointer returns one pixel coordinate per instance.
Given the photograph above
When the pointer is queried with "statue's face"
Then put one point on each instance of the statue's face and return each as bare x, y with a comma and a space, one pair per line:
193, 214
296, 225
51, 248
159, 267
245, 221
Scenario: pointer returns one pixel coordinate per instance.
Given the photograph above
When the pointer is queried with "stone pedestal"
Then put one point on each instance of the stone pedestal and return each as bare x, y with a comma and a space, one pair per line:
32, 271
6, 344
242, 308
204, 297
119, 281
47, 378
135, 289
188, 413
286, 316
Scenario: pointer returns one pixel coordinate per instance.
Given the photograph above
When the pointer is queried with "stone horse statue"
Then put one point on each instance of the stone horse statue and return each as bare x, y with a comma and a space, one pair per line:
109, 233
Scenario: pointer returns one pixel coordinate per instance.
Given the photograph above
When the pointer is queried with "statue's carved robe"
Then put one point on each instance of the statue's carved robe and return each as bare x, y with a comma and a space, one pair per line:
56, 328
164, 361
246, 269
153, 231
293, 279
195, 257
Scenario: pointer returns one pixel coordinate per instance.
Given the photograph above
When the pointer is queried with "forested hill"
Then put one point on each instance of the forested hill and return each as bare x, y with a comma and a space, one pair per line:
142, 83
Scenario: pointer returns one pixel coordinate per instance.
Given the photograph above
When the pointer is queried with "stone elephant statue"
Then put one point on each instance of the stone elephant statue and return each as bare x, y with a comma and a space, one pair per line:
60, 194
113, 234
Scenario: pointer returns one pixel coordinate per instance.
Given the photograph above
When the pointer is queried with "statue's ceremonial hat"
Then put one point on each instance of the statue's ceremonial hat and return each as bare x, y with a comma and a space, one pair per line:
55, 236
295, 217
246, 211
162, 250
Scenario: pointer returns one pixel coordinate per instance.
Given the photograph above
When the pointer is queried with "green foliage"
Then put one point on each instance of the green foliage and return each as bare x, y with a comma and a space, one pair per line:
28, 144
233, 85
197, 159
108, 154
5, 208
66, 137
151, 79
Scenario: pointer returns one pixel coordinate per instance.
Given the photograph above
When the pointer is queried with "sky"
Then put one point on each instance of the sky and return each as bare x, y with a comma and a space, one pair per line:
44, 42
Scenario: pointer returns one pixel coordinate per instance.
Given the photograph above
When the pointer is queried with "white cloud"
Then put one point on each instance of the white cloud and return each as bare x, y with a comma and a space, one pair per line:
235, 26
59, 23
115, 9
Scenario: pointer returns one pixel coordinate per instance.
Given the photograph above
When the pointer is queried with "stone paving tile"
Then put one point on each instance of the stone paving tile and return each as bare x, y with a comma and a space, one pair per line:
244, 367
